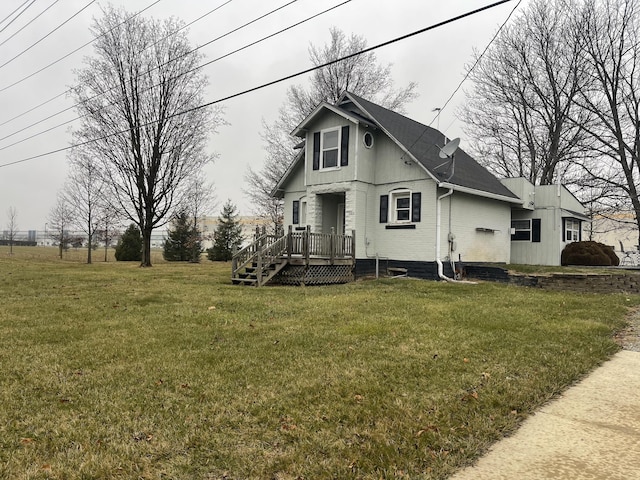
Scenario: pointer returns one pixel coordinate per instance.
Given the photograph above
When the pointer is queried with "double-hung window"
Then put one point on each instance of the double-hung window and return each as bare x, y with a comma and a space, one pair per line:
401, 204
330, 148
571, 230
521, 230
400, 208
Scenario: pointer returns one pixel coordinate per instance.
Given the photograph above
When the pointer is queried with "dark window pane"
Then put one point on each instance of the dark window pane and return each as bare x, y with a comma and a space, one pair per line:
403, 215
402, 202
330, 158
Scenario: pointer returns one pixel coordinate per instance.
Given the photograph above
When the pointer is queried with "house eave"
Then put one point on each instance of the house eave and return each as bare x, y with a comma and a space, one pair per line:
481, 193
301, 130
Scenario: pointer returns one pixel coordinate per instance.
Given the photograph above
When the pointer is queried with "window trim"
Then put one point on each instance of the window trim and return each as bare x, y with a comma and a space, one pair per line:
515, 230
364, 139
395, 196
337, 148
577, 230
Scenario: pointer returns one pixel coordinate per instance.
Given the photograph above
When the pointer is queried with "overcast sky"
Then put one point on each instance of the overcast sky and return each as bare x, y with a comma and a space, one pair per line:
434, 59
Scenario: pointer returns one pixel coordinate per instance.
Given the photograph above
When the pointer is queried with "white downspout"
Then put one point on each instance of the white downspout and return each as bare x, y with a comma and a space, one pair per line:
441, 274
438, 230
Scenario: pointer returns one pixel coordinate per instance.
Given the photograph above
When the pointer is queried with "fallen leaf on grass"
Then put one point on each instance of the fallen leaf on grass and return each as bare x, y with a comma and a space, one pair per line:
26, 441
212, 307
358, 398
46, 467
465, 360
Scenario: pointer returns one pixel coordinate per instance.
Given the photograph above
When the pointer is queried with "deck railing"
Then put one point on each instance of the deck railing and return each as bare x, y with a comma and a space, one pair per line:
267, 249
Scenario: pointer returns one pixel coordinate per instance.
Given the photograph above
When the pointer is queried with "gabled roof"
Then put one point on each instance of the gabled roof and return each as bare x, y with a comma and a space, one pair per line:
422, 143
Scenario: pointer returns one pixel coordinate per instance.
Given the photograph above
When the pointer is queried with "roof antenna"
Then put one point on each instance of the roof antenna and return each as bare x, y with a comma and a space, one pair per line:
448, 151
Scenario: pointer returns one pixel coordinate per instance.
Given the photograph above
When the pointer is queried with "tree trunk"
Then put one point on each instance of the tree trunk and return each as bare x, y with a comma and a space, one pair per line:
90, 245
146, 248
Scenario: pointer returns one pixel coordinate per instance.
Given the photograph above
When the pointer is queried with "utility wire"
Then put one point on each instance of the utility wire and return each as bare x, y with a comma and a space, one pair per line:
474, 65
264, 85
11, 14
96, 38
48, 34
17, 16
158, 67
71, 53
28, 23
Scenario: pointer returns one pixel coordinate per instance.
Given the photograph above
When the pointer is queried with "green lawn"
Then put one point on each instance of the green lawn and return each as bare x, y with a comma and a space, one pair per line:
113, 371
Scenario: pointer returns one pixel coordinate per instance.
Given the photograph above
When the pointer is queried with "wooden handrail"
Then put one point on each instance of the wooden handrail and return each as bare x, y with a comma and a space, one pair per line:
268, 249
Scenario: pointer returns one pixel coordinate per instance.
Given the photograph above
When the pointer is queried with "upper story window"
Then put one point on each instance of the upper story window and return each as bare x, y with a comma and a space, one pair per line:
367, 139
329, 148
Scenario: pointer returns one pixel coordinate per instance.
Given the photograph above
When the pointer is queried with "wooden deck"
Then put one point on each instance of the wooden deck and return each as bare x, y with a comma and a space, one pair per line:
297, 257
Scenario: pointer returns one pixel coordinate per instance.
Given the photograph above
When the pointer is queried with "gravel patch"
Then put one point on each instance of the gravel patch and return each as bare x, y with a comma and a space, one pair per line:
629, 337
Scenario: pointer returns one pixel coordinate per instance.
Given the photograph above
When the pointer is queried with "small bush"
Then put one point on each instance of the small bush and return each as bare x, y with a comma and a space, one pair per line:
129, 247
589, 253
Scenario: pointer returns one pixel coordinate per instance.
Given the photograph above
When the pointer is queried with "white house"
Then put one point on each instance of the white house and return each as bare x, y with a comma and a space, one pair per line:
367, 169
549, 218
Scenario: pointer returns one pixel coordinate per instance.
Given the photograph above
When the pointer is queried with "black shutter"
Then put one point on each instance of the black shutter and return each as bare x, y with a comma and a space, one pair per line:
416, 198
296, 212
535, 230
564, 229
579, 230
344, 147
384, 208
316, 151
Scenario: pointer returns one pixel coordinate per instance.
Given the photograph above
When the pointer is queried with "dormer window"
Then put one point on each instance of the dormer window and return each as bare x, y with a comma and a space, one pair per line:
329, 148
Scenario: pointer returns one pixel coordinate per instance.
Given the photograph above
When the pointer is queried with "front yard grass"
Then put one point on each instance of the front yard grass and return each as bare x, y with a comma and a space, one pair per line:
111, 371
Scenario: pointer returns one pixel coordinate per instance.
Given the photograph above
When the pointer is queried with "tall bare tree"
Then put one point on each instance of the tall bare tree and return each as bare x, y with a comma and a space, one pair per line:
85, 193
12, 227
60, 221
361, 74
521, 112
139, 98
201, 200
611, 40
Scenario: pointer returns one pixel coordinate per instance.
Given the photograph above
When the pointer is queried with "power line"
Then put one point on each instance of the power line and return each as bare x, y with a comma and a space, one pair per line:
48, 34
11, 14
96, 38
71, 53
17, 16
474, 65
273, 82
160, 66
28, 23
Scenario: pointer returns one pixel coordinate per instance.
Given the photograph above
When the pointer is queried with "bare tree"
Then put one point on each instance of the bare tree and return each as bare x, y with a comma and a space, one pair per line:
521, 113
12, 227
85, 194
140, 101
201, 200
108, 221
611, 40
361, 74
60, 221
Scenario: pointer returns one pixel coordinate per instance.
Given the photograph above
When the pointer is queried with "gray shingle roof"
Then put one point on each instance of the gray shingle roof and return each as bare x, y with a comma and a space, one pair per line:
423, 142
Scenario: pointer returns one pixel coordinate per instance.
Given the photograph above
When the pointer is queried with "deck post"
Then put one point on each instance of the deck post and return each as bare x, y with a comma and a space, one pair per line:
332, 246
289, 242
259, 268
306, 245
353, 246
234, 262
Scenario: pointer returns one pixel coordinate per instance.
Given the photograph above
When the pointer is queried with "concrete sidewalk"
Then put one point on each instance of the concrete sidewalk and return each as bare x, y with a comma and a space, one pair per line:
591, 432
